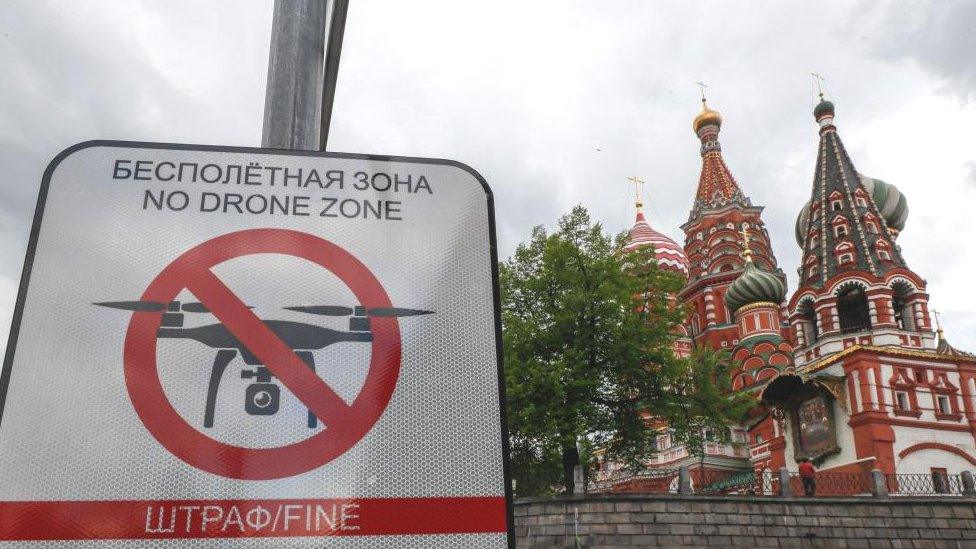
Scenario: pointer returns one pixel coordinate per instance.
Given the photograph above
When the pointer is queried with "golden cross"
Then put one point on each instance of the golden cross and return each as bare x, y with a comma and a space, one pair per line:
746, 251
637, 191
702, 85
819, 80
938, 319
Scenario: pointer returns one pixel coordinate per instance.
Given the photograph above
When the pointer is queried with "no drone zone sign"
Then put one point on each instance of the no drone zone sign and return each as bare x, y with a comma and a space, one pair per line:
263, 347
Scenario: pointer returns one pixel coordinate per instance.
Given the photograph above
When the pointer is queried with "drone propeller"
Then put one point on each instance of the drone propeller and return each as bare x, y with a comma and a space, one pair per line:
155, 306
338, 310
324, 310
147, 306
396, 311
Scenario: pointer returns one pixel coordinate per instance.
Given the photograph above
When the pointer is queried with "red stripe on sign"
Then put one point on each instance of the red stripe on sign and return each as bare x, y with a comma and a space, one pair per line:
184, 519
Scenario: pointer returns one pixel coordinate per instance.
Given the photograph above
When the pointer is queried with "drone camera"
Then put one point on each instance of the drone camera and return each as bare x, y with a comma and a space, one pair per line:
262, 399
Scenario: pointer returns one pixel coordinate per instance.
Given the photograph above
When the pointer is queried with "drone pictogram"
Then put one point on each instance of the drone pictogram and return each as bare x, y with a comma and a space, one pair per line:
263, 396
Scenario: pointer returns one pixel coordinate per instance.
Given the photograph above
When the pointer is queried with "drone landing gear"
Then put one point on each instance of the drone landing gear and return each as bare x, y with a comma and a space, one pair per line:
224, 356
307, 358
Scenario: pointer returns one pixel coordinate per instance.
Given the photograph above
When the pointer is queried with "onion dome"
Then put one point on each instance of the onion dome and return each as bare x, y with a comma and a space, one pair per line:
707, 117
823, 109
802, 220
754, 285
667, 252
892, 205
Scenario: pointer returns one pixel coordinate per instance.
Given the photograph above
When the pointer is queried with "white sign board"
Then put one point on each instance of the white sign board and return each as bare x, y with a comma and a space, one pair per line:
271, 347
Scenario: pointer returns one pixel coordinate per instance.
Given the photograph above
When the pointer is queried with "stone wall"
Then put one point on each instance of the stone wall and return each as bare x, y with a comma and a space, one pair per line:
632, 520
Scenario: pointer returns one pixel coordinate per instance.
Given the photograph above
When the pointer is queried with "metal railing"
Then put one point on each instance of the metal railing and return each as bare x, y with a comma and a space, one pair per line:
785, 483
833, 484
730, 482
933, 484
650, 481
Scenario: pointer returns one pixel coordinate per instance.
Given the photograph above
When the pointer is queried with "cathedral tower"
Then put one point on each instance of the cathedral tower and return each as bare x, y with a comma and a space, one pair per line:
855, 287
712, 240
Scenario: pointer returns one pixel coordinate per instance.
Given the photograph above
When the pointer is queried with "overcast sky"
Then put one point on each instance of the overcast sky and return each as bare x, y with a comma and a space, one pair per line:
555, 103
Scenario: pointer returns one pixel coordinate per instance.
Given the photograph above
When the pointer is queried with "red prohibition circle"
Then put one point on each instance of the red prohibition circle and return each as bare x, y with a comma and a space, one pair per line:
349, 424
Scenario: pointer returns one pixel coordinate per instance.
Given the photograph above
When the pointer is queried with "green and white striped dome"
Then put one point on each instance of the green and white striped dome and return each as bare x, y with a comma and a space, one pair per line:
891, 203
753, 286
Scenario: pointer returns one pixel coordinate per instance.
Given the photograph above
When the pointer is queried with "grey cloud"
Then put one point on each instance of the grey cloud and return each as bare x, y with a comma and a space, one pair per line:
937, 36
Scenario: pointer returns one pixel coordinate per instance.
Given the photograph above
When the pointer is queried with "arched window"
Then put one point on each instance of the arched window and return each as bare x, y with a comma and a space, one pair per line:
852, 308
810, 329
840, 231
904, 315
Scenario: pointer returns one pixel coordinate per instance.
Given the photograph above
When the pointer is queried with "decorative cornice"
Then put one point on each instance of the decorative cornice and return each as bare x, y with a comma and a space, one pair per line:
756, 305
818, 365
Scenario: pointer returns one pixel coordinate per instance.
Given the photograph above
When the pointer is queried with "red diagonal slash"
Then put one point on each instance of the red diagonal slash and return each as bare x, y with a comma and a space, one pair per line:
274, 353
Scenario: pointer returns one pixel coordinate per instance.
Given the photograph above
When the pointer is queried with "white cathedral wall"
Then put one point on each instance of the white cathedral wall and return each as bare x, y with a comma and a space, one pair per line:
923, 460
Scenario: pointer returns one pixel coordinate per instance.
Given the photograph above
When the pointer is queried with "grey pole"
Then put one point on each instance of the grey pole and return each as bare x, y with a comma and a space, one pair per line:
333, 49
302, 68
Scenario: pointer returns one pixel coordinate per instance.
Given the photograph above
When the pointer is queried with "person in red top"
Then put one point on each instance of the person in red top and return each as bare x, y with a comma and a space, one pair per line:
808, 474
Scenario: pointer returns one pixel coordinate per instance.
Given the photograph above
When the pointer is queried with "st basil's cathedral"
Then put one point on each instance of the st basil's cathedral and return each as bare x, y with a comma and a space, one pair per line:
847, 371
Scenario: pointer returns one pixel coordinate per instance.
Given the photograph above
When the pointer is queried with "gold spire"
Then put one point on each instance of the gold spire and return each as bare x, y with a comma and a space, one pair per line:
637, 193
746, 251
938, 322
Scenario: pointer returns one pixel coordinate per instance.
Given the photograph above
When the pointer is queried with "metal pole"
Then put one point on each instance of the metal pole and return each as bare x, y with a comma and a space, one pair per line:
333, 49
302, 68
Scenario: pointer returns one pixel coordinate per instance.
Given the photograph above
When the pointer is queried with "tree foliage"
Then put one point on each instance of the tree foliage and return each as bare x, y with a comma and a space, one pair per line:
588, 341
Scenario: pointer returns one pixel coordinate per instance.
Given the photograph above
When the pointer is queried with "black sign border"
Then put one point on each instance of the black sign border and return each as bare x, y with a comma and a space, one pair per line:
489, 196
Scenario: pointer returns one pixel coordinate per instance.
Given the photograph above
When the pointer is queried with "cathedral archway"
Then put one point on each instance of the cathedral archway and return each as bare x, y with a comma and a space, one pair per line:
852, 309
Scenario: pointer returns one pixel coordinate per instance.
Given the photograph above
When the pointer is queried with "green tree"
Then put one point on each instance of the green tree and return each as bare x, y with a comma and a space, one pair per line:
588, 340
